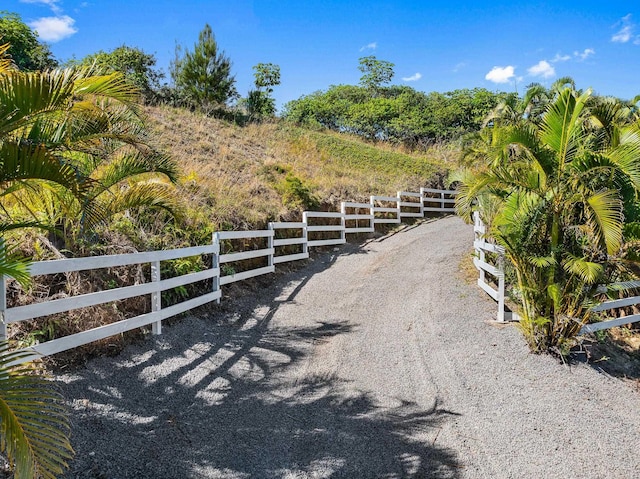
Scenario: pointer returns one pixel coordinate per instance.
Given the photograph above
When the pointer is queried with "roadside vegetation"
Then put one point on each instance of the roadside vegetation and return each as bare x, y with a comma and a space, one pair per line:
556, 176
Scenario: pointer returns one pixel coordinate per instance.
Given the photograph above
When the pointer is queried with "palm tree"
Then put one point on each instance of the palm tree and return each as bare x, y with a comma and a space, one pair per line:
33, 423
78, 139
91, 125
551, 194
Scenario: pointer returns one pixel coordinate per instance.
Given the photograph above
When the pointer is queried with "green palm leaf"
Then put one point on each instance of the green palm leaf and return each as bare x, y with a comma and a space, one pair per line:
34, 427
130, 166
588, 271
21, 161
149, 194
562, 125
12, 266
606, 212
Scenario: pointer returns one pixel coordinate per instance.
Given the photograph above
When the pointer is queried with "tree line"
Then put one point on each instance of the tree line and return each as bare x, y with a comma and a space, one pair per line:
201, 76
398, 114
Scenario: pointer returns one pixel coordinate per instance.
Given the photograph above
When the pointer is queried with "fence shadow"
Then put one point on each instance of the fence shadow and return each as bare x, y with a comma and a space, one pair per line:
218, 400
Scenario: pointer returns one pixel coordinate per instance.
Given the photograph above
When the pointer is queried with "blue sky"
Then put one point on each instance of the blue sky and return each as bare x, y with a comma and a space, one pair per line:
435, 45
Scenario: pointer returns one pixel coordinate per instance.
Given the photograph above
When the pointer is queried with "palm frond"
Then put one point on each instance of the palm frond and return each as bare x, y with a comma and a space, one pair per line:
542, 261
11, 265
25, 96
113, 86
562, 124
133, 165
21, 161
588, 271
34, 424
5, 60
606, 210
625, 155
140, 194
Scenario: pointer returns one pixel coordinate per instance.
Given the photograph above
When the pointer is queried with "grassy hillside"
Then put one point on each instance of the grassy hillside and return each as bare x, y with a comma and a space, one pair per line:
246, 176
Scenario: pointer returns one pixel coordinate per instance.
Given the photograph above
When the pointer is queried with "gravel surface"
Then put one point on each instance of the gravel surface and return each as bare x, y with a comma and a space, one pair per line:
377, 361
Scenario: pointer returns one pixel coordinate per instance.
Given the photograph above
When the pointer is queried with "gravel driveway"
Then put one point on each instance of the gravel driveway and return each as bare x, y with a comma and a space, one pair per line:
371, 362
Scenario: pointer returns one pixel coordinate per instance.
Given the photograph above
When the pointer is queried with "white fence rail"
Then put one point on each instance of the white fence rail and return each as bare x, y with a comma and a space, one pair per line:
300, 241
615, 304
272, 246
388, 206
266, 253
495, 269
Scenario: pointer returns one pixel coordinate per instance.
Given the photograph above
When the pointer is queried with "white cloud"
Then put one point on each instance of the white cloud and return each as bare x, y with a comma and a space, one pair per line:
370, 46
54, 29
626, 30
500, 74
585, 54
560, 58
459, 67
542, 69
414, 77
53, 4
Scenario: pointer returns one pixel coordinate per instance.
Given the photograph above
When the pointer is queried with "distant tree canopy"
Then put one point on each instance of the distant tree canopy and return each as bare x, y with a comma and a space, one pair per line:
136, 66
203, 76
398, 114
26, 51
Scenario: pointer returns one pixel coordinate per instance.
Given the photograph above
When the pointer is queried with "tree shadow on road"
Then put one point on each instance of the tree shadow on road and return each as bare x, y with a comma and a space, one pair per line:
218, 400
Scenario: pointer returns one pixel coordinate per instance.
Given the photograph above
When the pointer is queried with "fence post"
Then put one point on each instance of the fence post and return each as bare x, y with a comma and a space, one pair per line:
305, 231
399, 207
156, 296
422, 201
215, 262
270, 244
305, 236
477, 229
343, 222
442, 201
501, 289
3, 306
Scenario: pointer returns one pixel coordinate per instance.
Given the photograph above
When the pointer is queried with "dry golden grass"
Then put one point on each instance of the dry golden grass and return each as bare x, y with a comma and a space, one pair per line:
234, 176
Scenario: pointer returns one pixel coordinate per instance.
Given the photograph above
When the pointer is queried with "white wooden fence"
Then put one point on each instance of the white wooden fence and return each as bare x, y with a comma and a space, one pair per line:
273, 245
494, 267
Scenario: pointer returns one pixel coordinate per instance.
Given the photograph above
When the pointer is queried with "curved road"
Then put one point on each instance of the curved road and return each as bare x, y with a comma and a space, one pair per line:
371, 362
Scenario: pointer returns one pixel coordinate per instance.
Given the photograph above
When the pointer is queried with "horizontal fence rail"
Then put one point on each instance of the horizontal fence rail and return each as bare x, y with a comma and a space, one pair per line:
614, 304
254, 253
299, 241
266, 253
154, 288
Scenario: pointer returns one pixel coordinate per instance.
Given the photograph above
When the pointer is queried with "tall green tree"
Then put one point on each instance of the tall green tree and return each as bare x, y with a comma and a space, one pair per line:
26, 51
136, 66
202, 77
375, 73
550, 189
259, 102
